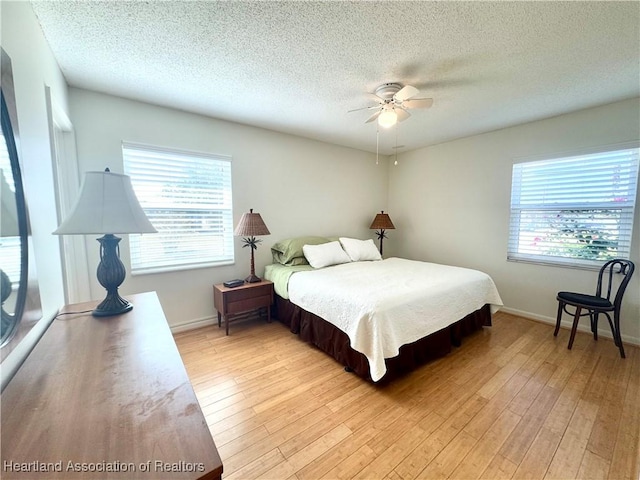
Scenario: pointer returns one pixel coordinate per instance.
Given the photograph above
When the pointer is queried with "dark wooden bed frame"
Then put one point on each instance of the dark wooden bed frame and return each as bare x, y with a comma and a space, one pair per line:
335, 342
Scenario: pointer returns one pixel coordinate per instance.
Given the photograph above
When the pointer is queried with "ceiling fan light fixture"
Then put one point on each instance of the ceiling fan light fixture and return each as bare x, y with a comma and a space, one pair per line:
388, 118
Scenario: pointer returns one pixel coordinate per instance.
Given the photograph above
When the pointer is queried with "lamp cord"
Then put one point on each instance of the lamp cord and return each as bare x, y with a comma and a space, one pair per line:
71, 313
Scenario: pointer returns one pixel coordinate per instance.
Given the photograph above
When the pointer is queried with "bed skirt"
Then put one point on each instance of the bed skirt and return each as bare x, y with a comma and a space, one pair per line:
335, 342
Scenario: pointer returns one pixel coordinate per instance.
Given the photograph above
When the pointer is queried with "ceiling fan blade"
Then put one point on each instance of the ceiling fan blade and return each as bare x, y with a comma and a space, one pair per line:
402, 114
418, 103
375, 98
405, 93
373, 117
363, 108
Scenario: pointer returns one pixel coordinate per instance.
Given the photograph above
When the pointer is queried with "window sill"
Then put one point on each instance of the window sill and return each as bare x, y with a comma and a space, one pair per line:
178, 268
595, 266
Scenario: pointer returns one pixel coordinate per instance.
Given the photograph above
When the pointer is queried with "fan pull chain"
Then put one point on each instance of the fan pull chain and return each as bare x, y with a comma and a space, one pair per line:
396, 162
377, 140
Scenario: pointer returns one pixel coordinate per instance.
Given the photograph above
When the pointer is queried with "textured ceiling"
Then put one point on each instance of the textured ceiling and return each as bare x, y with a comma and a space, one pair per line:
298, 67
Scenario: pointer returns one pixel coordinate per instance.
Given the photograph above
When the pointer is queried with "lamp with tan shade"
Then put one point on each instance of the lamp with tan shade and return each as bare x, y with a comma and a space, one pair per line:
381, 223
250, 225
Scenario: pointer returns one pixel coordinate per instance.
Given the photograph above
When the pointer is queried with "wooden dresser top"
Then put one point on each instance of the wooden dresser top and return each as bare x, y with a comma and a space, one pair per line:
106, 398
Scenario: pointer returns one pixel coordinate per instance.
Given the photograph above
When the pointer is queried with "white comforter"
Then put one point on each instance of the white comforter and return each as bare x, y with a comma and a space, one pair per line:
385, 304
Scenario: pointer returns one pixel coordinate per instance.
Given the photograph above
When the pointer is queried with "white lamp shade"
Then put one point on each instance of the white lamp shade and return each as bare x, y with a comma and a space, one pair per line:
106, 204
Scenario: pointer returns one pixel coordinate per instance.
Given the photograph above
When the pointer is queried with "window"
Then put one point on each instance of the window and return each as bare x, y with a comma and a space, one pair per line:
187, 197
575, 210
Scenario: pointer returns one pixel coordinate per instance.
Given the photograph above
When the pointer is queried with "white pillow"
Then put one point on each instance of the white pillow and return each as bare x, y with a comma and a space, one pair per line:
325, 254
360, 250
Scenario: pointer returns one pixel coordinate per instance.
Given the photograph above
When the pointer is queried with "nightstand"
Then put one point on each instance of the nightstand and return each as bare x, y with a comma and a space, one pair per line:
247, 297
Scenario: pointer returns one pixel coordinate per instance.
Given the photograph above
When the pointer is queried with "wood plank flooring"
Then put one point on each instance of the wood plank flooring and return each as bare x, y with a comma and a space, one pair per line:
511, 402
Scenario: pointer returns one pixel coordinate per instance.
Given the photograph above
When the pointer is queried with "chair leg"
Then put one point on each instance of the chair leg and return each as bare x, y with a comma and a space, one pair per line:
559, 316
594, 324
616, 334
576, 319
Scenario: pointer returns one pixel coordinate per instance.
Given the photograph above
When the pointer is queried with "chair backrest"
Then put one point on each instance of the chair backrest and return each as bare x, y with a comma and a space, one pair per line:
616, 266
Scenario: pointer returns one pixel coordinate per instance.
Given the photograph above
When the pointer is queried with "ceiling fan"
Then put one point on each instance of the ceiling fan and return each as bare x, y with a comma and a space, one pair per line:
393, 100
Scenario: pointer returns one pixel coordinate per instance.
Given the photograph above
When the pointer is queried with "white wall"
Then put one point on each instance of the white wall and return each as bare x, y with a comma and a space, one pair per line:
299, 186
35, 68
450, 204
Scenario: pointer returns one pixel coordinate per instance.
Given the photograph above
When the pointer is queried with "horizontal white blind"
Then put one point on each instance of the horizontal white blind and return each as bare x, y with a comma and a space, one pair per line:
575, 209
187, 197
10, 253
5, 164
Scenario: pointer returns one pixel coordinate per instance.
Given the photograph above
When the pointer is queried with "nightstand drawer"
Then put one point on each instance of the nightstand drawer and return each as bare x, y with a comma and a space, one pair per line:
247, 293
248, 304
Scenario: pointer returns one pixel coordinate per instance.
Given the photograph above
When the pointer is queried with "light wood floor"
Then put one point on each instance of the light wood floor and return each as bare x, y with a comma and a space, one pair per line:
512, 402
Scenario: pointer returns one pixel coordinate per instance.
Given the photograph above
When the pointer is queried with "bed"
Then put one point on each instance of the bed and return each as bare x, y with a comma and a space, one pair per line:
379, 318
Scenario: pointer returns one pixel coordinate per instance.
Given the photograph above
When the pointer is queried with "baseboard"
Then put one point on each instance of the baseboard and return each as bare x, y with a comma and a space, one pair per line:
582, 326
565, 323
193, 324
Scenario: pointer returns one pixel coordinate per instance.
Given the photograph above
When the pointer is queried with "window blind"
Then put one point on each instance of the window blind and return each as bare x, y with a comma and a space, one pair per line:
574, 210
10, 253
187, 198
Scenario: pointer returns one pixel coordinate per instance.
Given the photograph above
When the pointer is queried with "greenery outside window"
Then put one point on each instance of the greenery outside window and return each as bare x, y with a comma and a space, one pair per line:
575, 210
187, 197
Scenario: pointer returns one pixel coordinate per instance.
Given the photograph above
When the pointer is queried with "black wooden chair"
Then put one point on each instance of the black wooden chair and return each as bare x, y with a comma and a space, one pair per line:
598, 303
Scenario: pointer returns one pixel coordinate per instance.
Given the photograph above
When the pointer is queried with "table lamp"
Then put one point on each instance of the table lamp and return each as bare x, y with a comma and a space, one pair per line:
381, 223
250, 225
107, 205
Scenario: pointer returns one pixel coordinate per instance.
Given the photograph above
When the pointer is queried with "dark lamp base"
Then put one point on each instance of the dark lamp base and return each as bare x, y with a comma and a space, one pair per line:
112, 305
111, 274
252, 279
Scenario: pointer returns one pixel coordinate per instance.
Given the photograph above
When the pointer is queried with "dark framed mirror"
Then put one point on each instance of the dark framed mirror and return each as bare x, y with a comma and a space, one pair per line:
14, 254
19, 290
